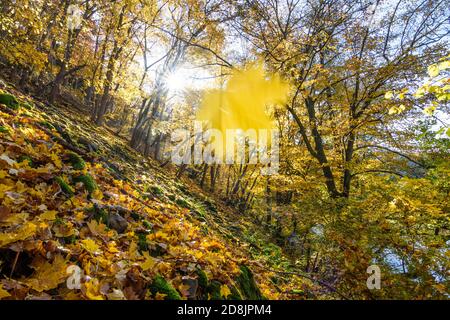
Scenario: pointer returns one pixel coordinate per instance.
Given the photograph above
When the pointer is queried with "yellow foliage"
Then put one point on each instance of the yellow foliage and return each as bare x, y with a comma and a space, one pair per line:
3, 293
224, 291
90, 245
149, 262
48, 275
25, 231
93, 290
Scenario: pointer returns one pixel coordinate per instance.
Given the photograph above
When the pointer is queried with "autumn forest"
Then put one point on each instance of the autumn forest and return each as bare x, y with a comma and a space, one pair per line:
224, 149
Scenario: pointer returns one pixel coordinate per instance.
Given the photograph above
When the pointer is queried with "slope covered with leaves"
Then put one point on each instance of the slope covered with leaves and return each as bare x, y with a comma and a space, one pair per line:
75, 195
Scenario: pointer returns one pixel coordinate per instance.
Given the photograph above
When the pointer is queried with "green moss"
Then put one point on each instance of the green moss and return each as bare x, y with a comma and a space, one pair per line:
76, 161
182, 203
202, 278
9, 100
210, 206
101, 215
70, 240
97, 214
147, 224
64, 186
160, 285
3, 129
135, 216
235, 294
171, 197
142, 242
66, 136
157, 191
214, 290
183, 188
249, 289
87, 181
26, 105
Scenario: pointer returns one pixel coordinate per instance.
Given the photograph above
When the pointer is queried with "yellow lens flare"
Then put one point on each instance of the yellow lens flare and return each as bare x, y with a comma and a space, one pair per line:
243, 103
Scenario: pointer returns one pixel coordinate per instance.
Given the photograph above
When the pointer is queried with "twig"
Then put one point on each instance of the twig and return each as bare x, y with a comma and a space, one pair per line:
14, 264
324, 284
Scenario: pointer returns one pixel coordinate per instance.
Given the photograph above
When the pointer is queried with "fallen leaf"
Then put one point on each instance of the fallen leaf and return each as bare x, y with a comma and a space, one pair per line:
224, 291
3, 292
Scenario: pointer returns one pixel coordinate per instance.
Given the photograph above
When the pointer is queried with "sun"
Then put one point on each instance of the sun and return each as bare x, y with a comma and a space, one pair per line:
178, 80
187, 77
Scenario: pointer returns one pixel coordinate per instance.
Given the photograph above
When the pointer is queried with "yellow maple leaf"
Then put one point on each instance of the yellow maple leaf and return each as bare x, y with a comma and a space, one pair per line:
97, 194
90, 245
112, 247
96, 228
224, 291
56, 160
93, 290
149, 262
48, 215
48, 275
132, 250
160, 296
3, 293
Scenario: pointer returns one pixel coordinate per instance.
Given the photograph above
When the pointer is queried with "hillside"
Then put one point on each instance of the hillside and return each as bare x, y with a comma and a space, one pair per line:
195, 150
76, 194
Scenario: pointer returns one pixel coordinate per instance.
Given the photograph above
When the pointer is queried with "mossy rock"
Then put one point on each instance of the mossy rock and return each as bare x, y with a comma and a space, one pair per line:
202, 278
64, 186
101, 215
235, 294
210, 206
155, 190
70, 239
76, 161
203, 283
247, 288
88, 182
160, 285
247, 285
9, 100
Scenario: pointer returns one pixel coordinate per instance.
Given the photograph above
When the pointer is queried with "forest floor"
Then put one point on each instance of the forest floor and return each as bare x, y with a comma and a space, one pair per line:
75, 194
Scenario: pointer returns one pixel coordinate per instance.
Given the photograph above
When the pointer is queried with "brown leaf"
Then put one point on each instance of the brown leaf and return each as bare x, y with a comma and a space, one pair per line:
5, 212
